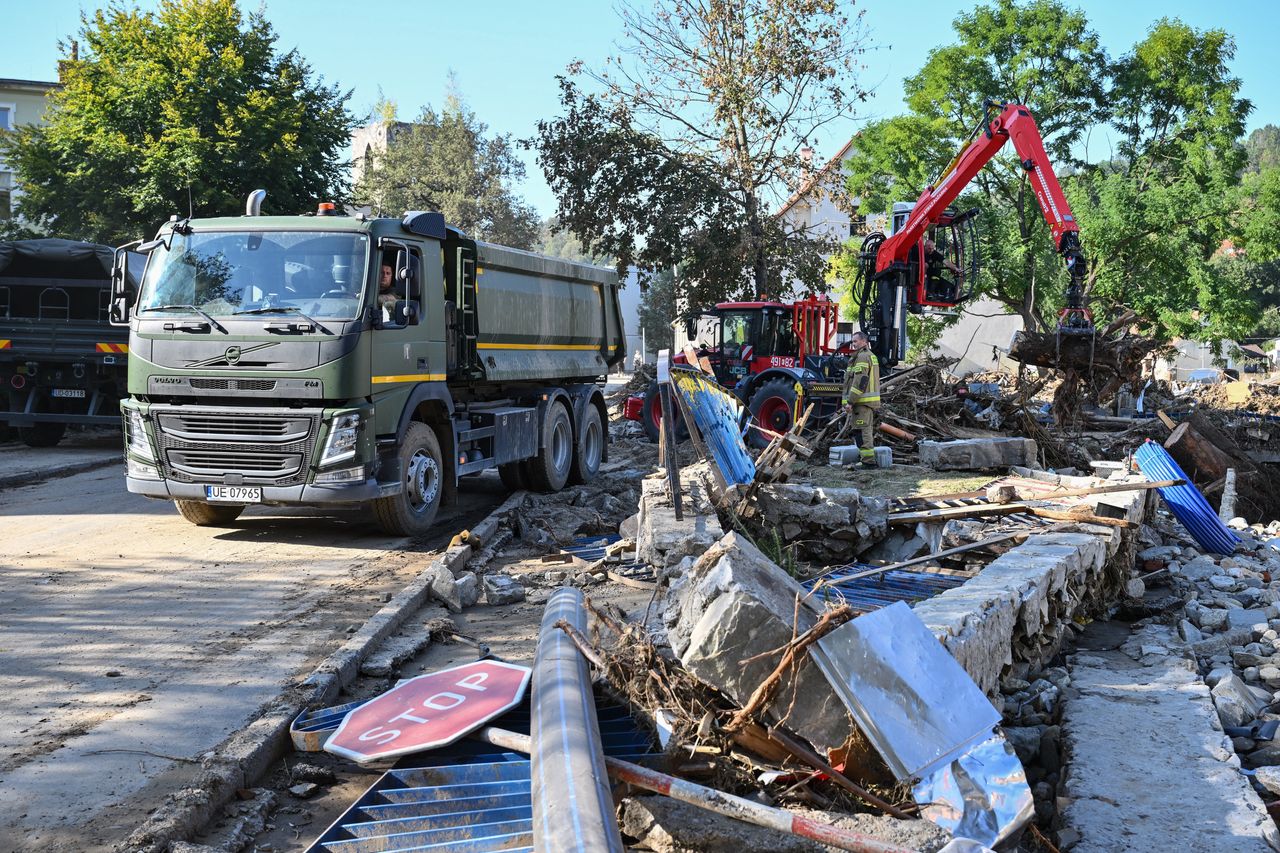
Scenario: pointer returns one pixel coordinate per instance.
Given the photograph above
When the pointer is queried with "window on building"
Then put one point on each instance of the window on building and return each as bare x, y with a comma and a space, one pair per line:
858, 225
6, 188
6, 116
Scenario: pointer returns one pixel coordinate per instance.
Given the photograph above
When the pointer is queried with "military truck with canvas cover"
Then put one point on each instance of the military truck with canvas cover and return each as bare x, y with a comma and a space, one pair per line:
61, 361
272, 362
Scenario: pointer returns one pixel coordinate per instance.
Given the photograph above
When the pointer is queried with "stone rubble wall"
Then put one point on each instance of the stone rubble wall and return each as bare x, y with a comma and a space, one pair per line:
1016, 609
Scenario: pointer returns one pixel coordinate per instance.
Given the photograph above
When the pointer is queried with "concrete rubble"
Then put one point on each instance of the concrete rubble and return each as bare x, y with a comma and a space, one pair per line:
978, 454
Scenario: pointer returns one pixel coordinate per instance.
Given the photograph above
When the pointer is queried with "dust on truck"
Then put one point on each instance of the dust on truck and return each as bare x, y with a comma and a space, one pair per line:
269, 366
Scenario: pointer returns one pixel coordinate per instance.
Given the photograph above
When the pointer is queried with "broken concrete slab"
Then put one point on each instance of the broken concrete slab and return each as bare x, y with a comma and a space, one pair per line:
734, 603
978, 454
662, 540
394, 652
1145, 745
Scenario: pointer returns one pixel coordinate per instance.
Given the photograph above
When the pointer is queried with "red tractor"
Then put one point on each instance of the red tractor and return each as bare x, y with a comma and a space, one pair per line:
777, 357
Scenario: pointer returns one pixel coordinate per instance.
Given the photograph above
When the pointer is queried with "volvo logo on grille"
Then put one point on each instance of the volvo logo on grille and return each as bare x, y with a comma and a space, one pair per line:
232, 355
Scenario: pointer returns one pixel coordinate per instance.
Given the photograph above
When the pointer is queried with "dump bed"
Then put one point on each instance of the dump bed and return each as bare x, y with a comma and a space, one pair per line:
542, 318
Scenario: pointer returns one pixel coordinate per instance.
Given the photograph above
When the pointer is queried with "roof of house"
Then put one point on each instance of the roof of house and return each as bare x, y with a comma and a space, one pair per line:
14, 83
814, 177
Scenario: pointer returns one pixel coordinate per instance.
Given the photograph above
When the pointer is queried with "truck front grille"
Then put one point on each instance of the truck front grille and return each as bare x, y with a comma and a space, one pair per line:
233, 384
257, 448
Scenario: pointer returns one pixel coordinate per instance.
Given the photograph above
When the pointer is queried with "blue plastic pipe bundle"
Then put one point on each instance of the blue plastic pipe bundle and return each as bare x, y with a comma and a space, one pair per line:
1185, 501
715, 413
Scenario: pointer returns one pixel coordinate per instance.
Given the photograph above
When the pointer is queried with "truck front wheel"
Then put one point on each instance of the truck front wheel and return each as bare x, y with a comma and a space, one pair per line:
413, 510
202, 514
549, 470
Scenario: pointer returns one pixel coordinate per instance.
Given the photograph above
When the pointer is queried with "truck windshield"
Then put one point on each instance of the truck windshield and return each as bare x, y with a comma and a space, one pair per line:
222, 273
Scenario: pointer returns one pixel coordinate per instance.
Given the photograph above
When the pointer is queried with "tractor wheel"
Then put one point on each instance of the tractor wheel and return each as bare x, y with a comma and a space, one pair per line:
773, 408
651, 416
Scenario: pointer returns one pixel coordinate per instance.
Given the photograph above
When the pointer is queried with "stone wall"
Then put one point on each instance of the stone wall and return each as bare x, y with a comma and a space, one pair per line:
1018, 607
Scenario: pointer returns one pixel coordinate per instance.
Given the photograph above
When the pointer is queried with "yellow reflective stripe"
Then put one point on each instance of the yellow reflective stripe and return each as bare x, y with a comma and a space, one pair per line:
871, 398
4, 344
539, 346
409, 377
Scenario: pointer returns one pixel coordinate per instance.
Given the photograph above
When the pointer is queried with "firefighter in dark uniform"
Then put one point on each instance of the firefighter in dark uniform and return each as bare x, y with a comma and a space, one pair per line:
861, 395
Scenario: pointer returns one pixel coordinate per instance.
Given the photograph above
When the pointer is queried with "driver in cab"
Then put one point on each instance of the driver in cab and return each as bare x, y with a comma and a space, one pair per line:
387, 296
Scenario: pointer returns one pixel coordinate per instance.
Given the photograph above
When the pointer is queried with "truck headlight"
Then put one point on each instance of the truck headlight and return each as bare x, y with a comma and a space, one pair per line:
139, 444
141, 470
343, 434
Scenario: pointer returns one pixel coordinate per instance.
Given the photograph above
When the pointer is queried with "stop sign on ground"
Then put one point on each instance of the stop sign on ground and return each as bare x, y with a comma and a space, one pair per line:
429, 711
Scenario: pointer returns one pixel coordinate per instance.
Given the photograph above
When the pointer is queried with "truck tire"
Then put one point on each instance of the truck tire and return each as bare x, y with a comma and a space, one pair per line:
202, 514
413, 510
651, 416
512, 474
42, 435
773, 407
549, 470
590, 448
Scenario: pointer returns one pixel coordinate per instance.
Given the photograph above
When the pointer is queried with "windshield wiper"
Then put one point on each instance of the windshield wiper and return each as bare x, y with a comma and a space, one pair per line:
209, 317
283, 309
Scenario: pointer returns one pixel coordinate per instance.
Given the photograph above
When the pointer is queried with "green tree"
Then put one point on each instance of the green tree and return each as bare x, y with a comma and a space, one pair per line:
658, 311
695, 136
1263, 148
1041, 54
184, 109
446, 161
1153, 218
559, 242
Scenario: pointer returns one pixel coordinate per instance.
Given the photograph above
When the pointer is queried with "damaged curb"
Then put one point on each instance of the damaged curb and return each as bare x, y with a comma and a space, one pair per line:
248, 753
32, 478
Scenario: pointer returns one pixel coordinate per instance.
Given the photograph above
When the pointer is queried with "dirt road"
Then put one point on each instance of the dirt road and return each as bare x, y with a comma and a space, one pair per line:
132, 642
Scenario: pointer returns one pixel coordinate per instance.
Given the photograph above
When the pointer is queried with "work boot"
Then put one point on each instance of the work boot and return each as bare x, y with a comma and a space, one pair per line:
869, 461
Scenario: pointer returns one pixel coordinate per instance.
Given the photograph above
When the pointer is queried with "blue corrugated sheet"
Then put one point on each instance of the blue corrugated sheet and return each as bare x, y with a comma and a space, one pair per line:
469, 797
880, 590
1185, 501
717, 413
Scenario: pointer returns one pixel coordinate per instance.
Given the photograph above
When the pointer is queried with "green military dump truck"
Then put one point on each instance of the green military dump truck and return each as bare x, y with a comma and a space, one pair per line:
61, 361
330, 360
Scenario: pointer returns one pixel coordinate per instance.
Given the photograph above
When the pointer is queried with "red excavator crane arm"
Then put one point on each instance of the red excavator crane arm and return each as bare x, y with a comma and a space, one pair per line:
895, 264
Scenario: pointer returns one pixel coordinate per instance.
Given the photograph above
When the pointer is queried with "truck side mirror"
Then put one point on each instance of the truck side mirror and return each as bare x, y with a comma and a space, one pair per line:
121, 292
407, 272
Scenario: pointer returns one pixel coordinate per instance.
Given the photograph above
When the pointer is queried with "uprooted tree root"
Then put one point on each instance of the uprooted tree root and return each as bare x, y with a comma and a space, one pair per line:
708, 730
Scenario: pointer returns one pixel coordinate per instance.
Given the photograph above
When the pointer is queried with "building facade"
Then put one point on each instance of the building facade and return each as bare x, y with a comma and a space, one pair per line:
21, 102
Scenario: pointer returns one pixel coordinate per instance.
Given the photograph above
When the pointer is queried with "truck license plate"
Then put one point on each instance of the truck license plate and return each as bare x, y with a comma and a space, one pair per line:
234, 494
67, 392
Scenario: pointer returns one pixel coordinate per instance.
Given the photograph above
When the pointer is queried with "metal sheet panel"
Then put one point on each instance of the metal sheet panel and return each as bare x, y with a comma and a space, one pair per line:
928, 720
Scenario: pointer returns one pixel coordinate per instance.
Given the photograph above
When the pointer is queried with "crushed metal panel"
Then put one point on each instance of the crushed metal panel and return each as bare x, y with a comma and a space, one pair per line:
929, 721
716, 415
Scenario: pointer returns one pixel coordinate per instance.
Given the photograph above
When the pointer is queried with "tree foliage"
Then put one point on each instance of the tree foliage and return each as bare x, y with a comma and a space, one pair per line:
658, 311
559, 242
446, 161
184, 109
693, 138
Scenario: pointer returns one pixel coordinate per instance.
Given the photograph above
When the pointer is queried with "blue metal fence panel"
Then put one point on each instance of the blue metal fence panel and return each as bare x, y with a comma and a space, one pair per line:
469, 797
716, 413
880, 590
1185, 501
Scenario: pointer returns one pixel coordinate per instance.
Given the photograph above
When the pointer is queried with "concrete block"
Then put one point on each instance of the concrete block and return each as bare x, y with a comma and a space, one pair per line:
978, 454
733, 604
662, 540
502, 589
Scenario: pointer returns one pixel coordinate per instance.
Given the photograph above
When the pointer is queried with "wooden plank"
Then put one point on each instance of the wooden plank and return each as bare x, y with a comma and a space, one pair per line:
1106, 489
1081, 518
948, 513
1166, 420
949, 552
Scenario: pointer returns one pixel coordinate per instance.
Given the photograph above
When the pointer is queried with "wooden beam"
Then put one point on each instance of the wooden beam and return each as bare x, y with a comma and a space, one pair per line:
949, 552
1082, 518
1166, 420
948, 513
1108, 488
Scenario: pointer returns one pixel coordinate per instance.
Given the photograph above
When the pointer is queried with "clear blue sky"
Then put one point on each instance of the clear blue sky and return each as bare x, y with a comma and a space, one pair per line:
506, 54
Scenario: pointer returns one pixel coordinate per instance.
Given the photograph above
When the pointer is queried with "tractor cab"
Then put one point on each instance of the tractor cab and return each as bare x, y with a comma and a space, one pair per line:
743, 339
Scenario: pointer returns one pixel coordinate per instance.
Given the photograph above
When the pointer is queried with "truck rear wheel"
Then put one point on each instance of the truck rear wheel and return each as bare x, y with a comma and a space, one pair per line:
512, 474
202, 514
590, 449
549, 470
42, 435
413, 510
772, 407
